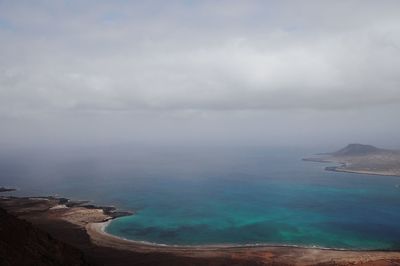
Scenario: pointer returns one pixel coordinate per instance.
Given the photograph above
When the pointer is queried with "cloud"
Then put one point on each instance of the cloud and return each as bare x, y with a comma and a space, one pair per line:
194, 57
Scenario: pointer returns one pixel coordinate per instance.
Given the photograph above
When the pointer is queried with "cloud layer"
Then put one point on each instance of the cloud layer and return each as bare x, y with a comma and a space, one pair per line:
62, 58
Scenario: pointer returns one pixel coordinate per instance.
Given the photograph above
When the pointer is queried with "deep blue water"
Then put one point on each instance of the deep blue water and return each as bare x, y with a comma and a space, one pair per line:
220, 195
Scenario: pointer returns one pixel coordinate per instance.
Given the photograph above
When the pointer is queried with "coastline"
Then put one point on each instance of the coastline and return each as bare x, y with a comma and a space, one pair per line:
342, 168
363, 172
98, 228
281, 254
57, 214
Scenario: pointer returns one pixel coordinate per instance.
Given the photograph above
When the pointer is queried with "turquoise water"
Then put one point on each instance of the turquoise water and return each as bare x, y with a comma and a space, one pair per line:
195, 196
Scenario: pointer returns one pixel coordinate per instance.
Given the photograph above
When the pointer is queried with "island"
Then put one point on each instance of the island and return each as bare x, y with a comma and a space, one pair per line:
362, 159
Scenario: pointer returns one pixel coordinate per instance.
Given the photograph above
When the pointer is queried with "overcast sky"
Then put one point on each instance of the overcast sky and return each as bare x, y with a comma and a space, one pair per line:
246, 72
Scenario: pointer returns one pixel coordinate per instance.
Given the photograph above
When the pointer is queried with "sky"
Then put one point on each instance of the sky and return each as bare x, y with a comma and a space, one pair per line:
268, 73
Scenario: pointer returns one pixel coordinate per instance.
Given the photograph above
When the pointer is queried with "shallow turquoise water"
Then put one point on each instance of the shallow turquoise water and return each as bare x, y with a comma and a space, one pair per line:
226, 196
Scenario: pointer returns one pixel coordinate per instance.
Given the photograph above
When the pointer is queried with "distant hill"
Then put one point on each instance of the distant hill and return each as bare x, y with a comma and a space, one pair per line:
356, 149
361, 158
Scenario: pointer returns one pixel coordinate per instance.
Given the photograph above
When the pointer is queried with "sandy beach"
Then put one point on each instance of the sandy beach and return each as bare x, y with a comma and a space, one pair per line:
262, 254
84, 227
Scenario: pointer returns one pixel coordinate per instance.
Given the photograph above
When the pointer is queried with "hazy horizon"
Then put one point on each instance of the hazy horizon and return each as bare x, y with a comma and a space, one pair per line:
257, 73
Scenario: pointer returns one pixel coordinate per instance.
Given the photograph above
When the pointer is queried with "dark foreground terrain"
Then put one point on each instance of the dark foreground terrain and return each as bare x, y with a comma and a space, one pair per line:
23, 244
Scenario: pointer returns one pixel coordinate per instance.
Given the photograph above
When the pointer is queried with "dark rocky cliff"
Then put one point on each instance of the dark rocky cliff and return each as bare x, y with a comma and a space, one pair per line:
23, 244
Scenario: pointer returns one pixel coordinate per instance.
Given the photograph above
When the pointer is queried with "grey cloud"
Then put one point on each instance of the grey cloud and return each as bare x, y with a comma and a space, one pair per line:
235, 75
189, 59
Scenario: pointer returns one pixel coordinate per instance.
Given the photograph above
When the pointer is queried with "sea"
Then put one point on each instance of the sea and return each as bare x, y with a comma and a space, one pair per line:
217, 195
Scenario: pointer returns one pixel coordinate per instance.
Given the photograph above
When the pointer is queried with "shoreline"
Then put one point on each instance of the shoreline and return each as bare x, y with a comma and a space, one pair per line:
360, 172
274, 254
97, 229
84, 225
344, 170
100, 228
